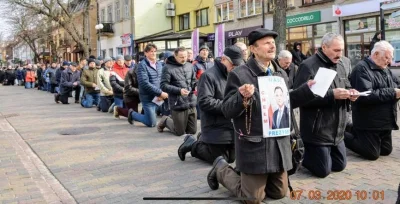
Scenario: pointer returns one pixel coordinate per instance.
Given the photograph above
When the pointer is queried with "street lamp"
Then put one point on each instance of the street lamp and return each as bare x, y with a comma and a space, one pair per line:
99, 27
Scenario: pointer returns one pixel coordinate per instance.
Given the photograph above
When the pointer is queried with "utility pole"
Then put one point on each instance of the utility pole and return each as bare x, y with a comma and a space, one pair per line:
382, 15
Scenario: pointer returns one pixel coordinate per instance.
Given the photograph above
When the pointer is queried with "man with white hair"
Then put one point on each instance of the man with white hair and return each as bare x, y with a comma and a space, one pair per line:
323, 120
285, 62
374, 116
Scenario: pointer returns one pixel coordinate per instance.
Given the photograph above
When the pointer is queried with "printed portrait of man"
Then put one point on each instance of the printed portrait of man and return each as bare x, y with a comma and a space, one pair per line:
281, 115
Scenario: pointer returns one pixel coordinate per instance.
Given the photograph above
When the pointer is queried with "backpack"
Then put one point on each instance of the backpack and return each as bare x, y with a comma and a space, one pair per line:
297, 147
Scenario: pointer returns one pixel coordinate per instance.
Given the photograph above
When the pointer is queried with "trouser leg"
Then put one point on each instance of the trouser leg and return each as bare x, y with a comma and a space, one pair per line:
64, 98
191, 125
364, 142
386, 142
177, 122
338, 156
317, 159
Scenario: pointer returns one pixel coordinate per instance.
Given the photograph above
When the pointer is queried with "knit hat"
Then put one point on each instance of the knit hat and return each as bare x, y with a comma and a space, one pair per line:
65, 63
127, 58
99, 58
204, 47
120, 57
107, 59
90, 60
97, 62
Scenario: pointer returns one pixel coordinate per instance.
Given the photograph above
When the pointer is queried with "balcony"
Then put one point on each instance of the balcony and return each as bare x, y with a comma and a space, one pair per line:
108, 29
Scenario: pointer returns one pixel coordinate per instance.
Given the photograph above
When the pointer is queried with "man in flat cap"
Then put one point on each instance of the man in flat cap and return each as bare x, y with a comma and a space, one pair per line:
263, 162
216, 131
128, 62
70, 80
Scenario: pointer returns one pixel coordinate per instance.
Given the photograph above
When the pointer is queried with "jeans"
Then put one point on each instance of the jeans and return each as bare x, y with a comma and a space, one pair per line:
118, 102
149, 117
105, 102
90, 100
29, 85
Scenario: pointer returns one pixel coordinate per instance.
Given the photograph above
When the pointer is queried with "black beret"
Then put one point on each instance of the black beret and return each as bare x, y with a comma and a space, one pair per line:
260, 33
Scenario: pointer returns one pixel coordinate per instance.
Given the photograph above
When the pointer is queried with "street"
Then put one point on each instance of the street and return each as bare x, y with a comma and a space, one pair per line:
53, 153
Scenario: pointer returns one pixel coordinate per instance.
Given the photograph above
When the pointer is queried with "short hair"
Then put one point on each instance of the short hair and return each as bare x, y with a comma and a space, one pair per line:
381, 47
150, 46
82, 59
179, 49
284, 54
278, 87
329, 37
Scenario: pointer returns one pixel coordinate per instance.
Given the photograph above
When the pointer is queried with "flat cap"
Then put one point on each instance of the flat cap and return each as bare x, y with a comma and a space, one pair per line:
127, 58
235, 54
260, 33
74, 64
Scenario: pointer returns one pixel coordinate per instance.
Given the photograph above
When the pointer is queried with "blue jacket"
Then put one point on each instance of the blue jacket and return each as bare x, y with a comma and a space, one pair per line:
67, 80
20, 75
149, 80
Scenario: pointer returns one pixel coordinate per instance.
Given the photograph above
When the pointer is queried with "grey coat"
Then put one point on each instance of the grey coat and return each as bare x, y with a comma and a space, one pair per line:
255, 154
68, 78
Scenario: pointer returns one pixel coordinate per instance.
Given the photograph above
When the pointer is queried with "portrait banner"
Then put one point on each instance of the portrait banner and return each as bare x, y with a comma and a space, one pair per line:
275, 106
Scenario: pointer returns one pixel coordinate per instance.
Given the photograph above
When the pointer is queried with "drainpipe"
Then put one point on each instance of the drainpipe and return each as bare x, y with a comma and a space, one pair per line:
132, 24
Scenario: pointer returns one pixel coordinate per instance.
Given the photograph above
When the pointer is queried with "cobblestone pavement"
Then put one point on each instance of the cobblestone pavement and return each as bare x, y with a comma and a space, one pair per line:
53, 153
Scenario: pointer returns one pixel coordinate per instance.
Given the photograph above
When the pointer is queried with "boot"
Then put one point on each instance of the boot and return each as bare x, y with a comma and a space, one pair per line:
186, 146
212, 180
161, 124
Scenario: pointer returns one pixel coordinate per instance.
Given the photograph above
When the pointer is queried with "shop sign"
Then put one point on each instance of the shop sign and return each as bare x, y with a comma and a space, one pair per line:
239, 32
304, 18
210, 37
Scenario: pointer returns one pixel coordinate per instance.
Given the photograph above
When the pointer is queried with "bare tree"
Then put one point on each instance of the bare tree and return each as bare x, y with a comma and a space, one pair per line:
61, 12
279, 19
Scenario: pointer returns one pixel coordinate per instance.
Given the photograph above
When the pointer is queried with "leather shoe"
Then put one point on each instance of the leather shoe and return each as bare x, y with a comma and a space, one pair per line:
212, 181
186, 146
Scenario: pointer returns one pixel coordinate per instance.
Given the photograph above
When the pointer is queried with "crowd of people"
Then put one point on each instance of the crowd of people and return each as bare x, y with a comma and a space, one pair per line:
224, 92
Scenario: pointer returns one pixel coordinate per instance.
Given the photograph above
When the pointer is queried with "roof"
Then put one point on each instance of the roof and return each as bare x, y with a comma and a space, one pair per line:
169, 36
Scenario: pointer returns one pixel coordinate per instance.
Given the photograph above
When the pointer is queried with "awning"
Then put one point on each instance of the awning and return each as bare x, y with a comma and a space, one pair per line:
169, 36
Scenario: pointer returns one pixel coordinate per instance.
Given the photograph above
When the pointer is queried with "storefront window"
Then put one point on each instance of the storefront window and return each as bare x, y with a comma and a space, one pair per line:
322, 29
300, 32
160, 45
360, 25
172, 44
393, 38
187, 43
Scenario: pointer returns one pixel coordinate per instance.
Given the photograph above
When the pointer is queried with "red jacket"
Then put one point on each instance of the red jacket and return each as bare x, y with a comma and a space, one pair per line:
120, 70
30, 76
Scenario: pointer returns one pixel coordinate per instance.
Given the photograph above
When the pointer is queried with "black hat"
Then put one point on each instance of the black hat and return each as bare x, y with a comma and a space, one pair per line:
65, 63
90, 60
260, 33
127, 58
74, 64
235, 54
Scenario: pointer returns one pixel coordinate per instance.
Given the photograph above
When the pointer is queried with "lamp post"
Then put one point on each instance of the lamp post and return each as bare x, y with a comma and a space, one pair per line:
99, 27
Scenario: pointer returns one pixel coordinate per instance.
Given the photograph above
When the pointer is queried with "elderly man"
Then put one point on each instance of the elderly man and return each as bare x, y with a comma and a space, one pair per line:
323, 120
243, 47
70, 80
178, 80
263, 162
202, 62
285, 62
374, 116
217, 131
190, 55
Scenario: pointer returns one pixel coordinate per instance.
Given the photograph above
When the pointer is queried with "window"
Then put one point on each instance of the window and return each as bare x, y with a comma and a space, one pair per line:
202, 17
184, 22
119, 51
127, 13
103, 53
310, 1
111, 52
224, 12
117, 11
103, 15
250, 7
109, 13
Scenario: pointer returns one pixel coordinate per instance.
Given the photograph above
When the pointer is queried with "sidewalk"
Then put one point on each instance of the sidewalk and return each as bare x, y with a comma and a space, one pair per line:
84, 156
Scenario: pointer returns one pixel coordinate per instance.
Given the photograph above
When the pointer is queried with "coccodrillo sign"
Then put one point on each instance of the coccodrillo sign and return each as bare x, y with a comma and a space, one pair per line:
304, 18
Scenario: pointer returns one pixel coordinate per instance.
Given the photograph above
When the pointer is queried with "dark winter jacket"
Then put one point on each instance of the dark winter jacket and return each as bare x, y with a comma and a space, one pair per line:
58, 75
88, 77
298, 56
176, 76
149, 80
51, 72
131, 88
67, 80
2, 75
19, 74
200, 66
10, 76
215, 128
255, 154
291, 72
378, 111
323, 120
117, 80
374, 40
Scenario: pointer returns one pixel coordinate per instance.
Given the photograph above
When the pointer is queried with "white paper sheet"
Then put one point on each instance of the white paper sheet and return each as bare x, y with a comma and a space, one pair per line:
158, 102
323, 78
365, 93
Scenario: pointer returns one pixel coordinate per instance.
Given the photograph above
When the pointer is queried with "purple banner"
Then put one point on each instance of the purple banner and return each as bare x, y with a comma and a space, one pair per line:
195, 42
219, 40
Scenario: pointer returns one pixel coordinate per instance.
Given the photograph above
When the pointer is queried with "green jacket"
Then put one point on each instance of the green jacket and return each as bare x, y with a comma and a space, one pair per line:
89, 76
